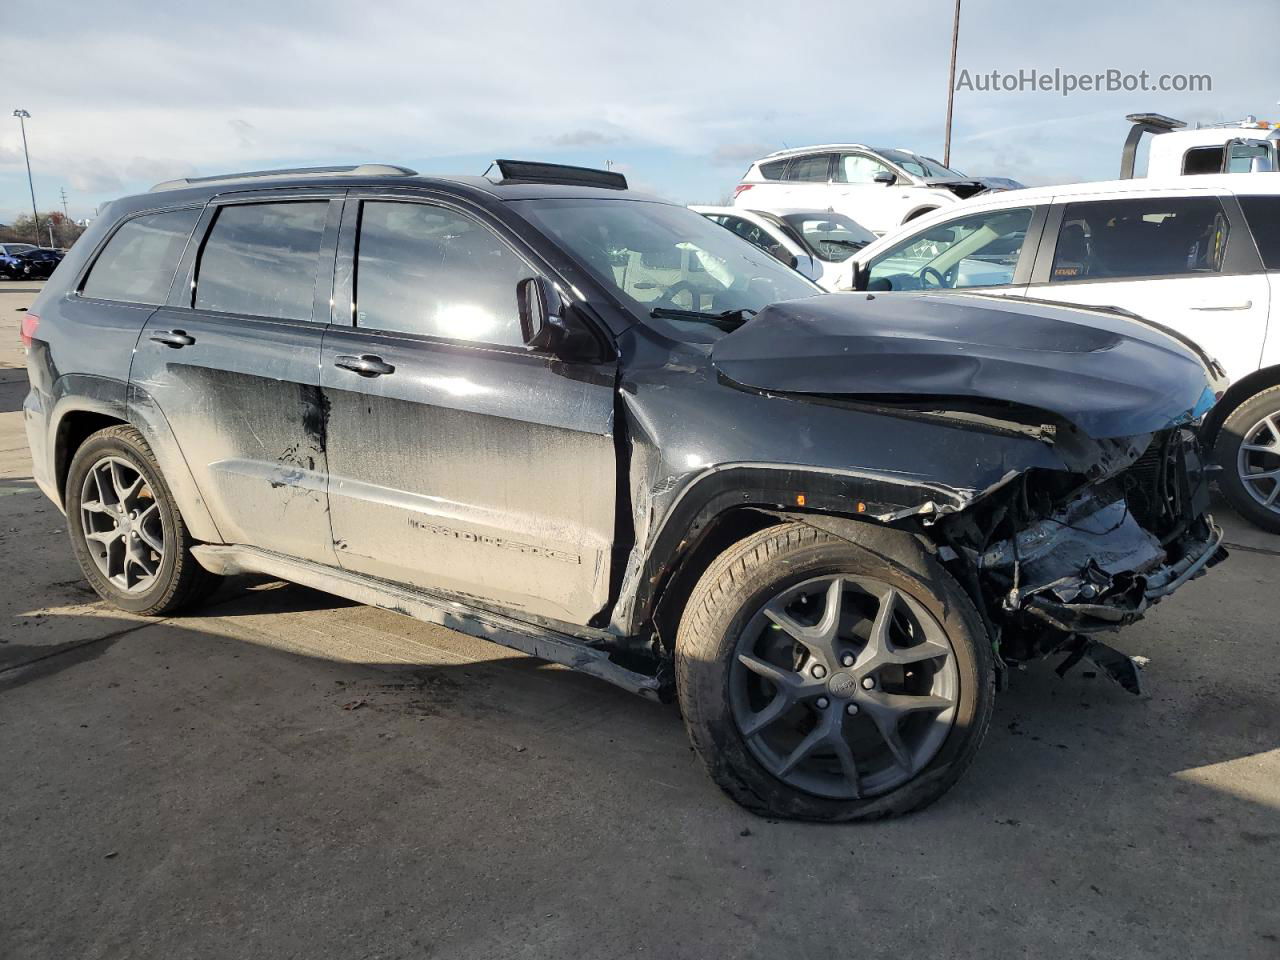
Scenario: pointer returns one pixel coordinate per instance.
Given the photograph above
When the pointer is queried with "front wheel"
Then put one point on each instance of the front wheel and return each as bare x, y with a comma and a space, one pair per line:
827, 680
126, 531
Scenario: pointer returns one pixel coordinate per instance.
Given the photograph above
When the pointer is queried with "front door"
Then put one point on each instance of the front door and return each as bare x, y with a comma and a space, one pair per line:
459, 460
232, 364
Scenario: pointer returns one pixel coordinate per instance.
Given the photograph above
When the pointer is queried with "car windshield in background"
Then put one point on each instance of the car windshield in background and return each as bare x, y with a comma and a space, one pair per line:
832, 237
917, 165
19, 247
668, 262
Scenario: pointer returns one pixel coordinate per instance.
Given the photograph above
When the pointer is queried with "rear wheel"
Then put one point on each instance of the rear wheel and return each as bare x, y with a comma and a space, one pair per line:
827, 680
126, 532
1248, 449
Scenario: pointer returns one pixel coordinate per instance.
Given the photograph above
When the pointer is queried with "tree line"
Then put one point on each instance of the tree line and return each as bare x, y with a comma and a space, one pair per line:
65, 230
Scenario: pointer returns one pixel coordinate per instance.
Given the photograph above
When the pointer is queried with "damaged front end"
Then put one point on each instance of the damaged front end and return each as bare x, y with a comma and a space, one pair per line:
1056, 557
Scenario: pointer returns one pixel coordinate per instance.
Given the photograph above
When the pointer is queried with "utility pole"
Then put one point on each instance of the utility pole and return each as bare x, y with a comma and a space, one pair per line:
23, 117
65, 212
951, 84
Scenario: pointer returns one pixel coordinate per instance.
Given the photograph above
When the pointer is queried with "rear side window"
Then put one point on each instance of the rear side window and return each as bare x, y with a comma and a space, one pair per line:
811, 169
1142, 237
261, 260
1263, 214
427, 270
138, 262
774, 170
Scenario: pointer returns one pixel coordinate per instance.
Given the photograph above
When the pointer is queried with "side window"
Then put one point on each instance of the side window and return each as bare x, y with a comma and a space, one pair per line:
981, 250
1199, 160
774, 170
750, 232
857, 168
139, 261
428, 270
1263, 214
1146, 237
261, 259
810, 169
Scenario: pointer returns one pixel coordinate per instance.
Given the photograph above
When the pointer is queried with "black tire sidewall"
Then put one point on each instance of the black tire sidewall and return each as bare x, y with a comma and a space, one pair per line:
707, 645
1226, 450
120, 444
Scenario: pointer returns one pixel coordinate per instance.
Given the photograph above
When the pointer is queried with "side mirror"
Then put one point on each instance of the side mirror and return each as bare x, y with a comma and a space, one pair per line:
547, 322
885, 177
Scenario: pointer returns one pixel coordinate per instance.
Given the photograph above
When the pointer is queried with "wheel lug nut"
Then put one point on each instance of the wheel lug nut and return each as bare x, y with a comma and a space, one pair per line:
851, 709
822, 703
847, 659
819, 671
868, 683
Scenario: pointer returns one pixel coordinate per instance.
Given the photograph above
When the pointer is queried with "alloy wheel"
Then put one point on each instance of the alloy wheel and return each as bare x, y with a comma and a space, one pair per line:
844, 686
122, 525
1258, 462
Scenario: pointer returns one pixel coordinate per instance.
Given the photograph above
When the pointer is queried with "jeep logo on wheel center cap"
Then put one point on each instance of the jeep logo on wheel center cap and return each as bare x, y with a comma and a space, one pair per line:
842, 685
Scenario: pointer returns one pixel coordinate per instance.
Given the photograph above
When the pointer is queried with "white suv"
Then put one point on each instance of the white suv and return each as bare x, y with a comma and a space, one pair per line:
879, 189
1201, 258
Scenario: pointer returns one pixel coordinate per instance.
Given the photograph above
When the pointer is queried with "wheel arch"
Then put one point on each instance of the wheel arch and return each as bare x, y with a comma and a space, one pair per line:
919, 212
721, 508
1240, 391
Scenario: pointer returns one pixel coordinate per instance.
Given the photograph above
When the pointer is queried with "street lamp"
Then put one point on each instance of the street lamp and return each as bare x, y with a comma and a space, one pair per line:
951, 84
23, 117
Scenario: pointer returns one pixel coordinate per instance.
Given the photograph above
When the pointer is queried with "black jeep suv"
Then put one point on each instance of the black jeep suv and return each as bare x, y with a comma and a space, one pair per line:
596, 427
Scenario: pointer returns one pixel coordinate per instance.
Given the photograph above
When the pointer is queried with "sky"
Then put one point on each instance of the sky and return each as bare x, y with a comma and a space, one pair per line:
680, 96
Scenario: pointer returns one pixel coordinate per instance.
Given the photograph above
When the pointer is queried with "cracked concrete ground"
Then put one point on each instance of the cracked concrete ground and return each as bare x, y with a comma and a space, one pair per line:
286, 774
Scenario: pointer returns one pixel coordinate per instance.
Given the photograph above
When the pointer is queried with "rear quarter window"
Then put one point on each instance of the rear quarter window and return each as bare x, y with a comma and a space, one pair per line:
139, 261
1263, 215
774, 170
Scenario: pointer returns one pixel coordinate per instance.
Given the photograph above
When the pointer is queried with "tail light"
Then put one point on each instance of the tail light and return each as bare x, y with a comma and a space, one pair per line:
741, 188
29, 323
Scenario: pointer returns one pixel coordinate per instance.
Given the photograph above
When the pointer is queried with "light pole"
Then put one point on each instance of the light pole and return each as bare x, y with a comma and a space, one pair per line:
951, 84
23, 117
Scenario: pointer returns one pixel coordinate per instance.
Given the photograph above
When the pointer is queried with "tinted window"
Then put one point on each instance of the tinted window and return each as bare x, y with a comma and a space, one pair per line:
1200, 160
976, 251
774, 170
751, 233
261, 260
1263, 214
139, 261
427, 270
1140, 238
856, 168
811, 168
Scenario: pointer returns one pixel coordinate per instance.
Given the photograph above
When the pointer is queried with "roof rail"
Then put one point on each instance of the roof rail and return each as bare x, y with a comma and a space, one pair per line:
817, 147
356, 170
532, 171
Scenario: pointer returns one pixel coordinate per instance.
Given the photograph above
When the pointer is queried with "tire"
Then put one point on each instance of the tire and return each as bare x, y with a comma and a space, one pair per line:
178, 580
1248, 425
732, 594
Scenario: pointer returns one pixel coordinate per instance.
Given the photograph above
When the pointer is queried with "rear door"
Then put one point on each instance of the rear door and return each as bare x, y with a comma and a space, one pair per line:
232, 364
1186, 261
461, 461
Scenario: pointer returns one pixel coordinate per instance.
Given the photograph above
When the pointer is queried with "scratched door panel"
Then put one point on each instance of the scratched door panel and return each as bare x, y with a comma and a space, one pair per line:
483, 472
244, 404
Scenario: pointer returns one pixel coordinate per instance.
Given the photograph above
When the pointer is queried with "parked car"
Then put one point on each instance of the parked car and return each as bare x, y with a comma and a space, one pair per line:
1242, 146
25, 261
877, 188
596, 427
1200, 257
811, 241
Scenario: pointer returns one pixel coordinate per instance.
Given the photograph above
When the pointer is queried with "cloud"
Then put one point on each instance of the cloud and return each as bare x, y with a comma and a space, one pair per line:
587, 138
736, 154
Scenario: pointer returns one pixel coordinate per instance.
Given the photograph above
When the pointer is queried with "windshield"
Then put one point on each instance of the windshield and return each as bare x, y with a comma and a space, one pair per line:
19, 247
832, 237
917, 165
667, 262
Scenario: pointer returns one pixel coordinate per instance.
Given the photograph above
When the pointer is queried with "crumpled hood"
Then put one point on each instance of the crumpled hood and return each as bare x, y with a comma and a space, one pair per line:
1108, 375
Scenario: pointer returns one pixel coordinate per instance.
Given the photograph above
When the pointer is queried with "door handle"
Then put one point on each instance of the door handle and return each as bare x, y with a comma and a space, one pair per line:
367, 365
174, 338
1223, 306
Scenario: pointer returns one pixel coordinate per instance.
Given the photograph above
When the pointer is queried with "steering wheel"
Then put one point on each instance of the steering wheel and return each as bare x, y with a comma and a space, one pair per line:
945, 280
